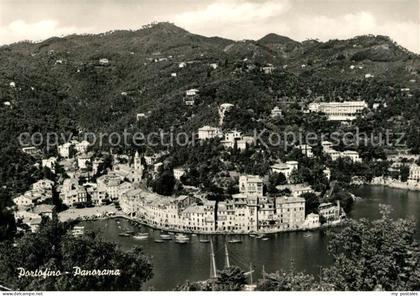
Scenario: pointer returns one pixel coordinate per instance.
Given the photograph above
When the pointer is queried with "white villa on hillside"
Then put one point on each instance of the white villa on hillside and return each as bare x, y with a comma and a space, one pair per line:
208, 132
296, 189
64, 150
31, 150
83, 160
26, 200
178, 173
190, 96
306, 150
276, 112
268, 69
334, 154
235, 137
82, 147
353, 155
285, 168
49, 163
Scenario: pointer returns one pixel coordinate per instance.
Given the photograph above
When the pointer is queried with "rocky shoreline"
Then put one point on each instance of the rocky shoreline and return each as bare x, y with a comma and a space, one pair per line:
392, 183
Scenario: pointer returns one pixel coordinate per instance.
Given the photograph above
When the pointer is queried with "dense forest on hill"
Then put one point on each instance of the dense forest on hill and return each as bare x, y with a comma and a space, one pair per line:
60, 85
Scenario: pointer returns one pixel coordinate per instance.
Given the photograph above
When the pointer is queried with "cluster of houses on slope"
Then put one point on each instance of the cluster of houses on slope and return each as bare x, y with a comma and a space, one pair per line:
35, 204
334, 154
414, 171
126, 174
235, 138
249, 211
108, 187
230, 139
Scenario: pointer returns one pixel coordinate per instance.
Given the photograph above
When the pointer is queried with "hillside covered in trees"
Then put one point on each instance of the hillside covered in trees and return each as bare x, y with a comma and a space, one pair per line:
91, 83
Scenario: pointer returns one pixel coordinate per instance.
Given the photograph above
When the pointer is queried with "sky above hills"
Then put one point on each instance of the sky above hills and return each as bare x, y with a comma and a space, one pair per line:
235, 19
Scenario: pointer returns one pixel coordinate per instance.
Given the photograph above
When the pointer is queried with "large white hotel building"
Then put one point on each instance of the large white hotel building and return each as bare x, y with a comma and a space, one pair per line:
339, 111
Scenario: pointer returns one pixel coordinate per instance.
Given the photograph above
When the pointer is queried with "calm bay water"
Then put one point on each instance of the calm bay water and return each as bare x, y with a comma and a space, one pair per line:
175, 263
405, 204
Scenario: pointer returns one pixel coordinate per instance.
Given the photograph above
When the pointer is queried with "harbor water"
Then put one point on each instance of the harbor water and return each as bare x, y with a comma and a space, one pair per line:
175, 263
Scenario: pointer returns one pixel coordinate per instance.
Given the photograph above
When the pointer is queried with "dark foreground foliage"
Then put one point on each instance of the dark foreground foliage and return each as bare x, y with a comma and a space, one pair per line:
52, 248
368, 256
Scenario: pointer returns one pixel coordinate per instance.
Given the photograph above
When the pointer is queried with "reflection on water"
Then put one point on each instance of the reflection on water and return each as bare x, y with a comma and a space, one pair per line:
405, 204
175, 263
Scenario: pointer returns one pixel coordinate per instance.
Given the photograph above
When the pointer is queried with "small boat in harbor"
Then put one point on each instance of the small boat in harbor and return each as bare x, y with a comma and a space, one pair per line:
235, 241
181, 236
130, 232
260, 236
159, 241
265, 238
181, 241
186, 239
307, 235
141, 236
125, 234
204, 241
165, 236
253, 235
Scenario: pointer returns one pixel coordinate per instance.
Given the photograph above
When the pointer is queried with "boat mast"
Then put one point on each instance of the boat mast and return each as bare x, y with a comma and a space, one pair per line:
227, 263
250, 273
213, 272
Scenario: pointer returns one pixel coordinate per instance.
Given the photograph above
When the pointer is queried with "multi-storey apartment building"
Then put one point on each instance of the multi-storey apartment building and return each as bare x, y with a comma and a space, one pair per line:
208, 132
290, 212
251, 185
414, 173
329, 211
72, 193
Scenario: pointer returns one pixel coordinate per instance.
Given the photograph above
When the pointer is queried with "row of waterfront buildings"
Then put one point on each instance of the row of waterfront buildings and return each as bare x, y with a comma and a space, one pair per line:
248, 211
